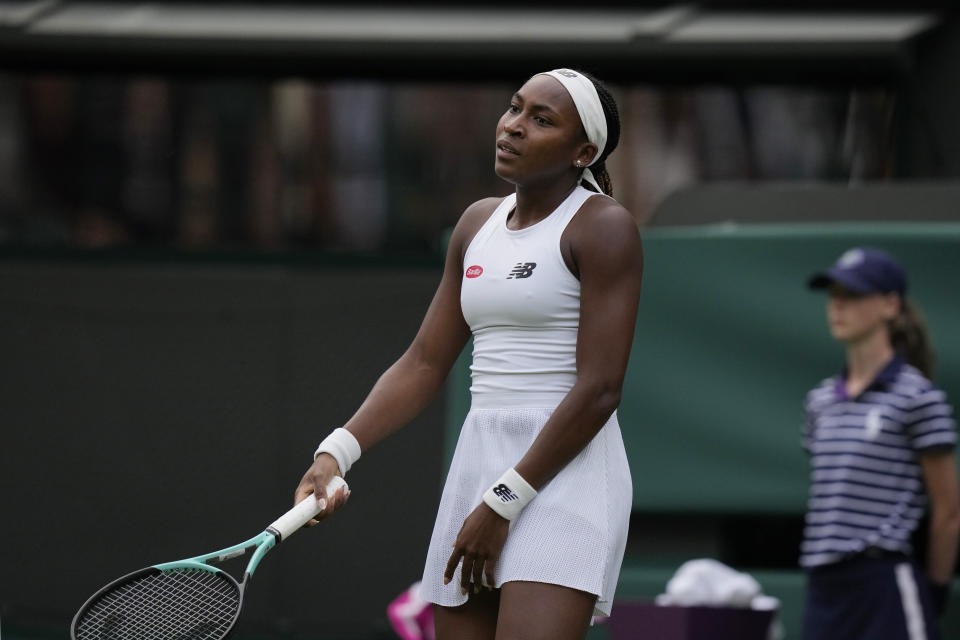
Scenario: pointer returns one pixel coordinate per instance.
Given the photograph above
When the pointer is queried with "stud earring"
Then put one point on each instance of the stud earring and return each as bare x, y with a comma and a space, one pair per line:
579, 163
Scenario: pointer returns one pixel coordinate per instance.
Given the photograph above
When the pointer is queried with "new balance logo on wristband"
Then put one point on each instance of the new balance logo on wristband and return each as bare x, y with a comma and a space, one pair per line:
522, 270
509, 494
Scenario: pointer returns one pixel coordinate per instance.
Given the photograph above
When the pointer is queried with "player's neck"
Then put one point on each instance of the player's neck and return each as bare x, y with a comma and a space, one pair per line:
536, 202
865, 359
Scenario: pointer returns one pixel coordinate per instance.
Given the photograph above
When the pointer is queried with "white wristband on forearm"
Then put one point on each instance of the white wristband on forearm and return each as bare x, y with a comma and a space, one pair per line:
509, 495
342, 446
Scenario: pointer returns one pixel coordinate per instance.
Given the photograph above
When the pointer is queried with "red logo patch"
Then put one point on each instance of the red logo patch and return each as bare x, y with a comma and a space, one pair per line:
474, 271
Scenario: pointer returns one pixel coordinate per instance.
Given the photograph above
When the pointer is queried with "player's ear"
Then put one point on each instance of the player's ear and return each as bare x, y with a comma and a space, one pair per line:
585, 153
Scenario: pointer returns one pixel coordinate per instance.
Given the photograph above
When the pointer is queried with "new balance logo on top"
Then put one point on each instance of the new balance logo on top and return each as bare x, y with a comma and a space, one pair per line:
522, 270
503, 492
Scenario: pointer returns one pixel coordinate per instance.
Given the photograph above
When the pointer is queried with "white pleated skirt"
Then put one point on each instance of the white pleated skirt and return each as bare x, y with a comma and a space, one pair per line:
572, 534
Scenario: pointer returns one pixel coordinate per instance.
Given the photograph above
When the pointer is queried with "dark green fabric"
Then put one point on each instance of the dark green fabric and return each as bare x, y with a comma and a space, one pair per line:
728, 341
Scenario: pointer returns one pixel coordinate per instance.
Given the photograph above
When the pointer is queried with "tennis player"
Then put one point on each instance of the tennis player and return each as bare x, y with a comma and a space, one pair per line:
532, 523
880, 437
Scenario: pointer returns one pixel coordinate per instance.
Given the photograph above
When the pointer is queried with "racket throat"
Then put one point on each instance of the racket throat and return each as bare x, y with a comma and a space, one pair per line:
269, 541
277, 536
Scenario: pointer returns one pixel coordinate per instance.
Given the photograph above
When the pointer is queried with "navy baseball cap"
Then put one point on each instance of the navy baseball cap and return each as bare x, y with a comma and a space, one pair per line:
863, 271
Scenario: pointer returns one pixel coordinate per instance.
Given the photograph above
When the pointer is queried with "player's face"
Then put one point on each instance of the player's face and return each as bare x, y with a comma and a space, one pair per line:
854, 317
540, 137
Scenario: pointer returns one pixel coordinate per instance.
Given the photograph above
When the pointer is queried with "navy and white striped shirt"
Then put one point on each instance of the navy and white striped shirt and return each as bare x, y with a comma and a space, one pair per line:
867, 486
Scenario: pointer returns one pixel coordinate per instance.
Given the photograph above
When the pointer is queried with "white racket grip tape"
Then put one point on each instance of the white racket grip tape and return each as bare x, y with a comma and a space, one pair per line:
304, 511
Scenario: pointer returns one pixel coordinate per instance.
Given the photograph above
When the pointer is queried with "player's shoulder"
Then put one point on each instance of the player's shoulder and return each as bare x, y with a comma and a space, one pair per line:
602, 205
472, 218
605, 222
603, 214
480, 211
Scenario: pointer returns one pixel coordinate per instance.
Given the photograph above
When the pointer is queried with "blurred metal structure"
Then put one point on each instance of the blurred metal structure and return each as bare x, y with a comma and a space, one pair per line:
680, 42
791, 203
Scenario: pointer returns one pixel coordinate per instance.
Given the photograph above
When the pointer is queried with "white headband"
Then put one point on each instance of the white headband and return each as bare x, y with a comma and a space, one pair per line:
587, 101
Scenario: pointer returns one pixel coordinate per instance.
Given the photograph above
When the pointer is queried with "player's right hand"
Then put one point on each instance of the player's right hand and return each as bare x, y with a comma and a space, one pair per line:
314, 482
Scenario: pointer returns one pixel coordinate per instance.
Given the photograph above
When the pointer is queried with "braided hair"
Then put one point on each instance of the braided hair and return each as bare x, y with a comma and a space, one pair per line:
612, 115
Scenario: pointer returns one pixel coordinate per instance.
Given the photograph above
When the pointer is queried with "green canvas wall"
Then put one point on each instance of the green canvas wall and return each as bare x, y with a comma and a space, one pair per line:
728, 341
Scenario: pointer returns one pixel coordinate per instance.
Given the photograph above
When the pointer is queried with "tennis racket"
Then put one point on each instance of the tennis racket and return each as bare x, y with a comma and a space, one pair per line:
188, 599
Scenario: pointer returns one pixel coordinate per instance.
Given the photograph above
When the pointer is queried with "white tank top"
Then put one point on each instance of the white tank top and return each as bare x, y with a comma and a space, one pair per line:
522, 305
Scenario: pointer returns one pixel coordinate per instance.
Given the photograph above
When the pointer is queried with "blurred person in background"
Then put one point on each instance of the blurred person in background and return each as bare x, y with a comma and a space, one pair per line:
532, 523
881, 441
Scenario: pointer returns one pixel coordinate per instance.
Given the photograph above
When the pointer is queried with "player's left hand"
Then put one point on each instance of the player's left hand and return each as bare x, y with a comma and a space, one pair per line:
479, 544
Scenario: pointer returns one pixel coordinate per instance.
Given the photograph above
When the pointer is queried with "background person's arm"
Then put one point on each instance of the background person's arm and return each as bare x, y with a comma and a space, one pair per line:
940, 476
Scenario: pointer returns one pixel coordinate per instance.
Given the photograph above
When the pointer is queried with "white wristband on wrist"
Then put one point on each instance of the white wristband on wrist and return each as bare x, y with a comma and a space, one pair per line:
509, 495
342, 446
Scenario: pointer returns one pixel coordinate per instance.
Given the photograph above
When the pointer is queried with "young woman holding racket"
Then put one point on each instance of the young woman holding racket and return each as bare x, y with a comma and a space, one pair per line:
881, 439
533, 520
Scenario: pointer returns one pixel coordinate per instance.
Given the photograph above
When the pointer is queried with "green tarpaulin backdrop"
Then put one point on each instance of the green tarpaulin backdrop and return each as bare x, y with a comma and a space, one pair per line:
728, 341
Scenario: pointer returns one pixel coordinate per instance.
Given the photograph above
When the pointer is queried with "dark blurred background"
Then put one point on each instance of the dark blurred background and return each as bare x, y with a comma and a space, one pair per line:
221, 221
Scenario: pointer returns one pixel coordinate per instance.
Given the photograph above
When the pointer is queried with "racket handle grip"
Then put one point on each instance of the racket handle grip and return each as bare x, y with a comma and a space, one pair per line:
304, 511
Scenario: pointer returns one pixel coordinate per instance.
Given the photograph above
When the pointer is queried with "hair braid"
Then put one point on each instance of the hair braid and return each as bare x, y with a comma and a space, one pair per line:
612, 116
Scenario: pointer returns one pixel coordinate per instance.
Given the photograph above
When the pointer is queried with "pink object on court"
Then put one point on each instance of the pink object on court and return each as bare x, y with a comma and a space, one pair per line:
411, 616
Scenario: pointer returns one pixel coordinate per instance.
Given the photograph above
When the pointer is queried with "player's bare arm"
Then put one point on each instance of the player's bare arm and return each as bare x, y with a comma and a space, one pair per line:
408, 386
604, 245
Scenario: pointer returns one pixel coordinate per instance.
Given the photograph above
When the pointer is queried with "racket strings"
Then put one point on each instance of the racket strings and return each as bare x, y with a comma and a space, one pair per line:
182, 604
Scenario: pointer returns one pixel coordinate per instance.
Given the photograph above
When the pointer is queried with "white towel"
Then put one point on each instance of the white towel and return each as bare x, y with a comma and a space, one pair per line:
706, 582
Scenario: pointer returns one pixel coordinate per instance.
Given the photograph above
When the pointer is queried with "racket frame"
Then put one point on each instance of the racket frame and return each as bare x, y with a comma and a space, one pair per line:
282, 528
130, 577
263, 542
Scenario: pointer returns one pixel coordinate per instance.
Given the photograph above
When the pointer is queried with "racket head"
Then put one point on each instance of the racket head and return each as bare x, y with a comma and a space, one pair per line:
196, 601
